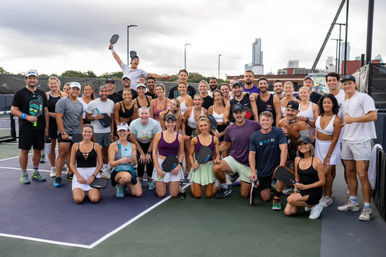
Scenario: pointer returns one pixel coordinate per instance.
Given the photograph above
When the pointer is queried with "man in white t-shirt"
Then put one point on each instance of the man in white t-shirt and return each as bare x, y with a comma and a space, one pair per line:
103, 135
359, 115
132, 71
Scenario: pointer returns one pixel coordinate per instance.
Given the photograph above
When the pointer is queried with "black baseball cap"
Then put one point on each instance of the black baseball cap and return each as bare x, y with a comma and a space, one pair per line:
347, 78
109, 81
170, 116
305, 140
237, 83
293, 105
238, 107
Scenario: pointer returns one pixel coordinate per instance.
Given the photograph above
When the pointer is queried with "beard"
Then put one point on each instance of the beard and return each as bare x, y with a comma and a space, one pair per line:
248, 82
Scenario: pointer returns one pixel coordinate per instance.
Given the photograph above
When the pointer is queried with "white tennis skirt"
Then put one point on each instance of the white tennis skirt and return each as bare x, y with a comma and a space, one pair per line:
321, 150
168, 177
85, 173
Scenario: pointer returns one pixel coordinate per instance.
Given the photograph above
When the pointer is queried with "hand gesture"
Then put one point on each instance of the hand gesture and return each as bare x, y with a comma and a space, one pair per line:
348, 119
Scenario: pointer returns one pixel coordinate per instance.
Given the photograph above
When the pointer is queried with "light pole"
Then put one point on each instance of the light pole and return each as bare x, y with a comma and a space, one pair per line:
336, 53
218, 70
340, 30
128, 48
186, 44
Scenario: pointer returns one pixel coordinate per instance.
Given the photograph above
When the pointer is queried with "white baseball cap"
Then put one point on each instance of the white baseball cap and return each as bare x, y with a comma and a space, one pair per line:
140, 85
75, 84
122, 126
31, 73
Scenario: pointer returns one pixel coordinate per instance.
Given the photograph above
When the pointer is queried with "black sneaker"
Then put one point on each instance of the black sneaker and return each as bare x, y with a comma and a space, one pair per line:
182, 194
70, 177
222, 193
58, 182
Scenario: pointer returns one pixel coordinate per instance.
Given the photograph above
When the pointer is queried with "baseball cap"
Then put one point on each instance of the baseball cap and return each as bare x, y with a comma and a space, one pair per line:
237, 107
75, 84
293, 105
109, 81
140, 85
31, 73
308, 77
347, 78
126, 77
122, 126
237, 83
305, 140
170, 116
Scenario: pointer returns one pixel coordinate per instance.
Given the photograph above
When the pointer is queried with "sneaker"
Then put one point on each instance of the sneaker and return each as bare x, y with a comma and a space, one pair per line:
53, 172
105, 174
151, 185
234, 177
327, 201
367, 214
70, 177
24, 179
58, 182
349, 206
119, 192
276, 204
307, 209
182, 194
237, 182
316, 210
43, 158
37, 177
65, 168
222, 193
288, 190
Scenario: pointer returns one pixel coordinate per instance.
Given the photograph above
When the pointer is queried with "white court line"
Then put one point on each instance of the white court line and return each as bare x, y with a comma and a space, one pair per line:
13, 168
6, 159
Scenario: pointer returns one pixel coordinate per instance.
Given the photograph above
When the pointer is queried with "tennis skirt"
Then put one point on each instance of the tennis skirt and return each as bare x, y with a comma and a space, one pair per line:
321, 150
85, 173
168, 177
204, 175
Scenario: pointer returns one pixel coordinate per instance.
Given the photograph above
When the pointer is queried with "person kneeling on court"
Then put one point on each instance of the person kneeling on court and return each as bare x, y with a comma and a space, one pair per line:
86, 154
168, 153
310, 178
122, 156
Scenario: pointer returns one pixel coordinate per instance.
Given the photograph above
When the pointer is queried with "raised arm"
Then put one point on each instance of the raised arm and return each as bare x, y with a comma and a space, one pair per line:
115, 55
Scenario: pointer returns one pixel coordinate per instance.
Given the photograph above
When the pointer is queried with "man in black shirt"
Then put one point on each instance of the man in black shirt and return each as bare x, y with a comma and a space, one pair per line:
115, 97
30, 105
314, 97
126, 82
182, 77
151, 87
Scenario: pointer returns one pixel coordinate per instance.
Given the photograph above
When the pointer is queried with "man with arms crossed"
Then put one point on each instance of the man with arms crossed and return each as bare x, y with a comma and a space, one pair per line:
359, 116
30, 105
237, 139
267, 150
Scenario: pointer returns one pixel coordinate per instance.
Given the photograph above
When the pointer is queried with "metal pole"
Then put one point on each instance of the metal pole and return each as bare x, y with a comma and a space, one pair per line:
218, 70
345, 39
369, 31
340, 26
128, 48
187, 44
336, 54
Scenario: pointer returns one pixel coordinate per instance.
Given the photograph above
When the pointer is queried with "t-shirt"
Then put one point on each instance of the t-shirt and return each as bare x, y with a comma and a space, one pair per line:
340, 97
71, 112
254, 89
31, 103
115, 97
133, 74
134, 94
239, 137
174, 93
153, 96
267, 150
103, 107
145, 133
359, 105
208, 101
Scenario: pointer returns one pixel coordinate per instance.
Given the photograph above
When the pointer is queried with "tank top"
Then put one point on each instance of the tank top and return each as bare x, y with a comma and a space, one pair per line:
157, 112
308, 176
86, 160
266, 106
125, 113
199, 145
218, 117
192, 123
183, 107
123, 151
307, 113
52, 100
147, 100
165, 148
329, 129
244, 101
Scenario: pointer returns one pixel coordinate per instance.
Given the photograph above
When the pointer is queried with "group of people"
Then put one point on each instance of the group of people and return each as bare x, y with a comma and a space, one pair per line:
122, 135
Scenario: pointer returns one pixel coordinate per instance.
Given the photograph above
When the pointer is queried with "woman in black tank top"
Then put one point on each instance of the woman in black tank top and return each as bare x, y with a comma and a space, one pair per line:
310, 179
142, 100
125, 111
86, 162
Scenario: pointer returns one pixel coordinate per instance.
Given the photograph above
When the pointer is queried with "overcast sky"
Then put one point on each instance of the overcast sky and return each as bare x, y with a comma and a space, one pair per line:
58, 35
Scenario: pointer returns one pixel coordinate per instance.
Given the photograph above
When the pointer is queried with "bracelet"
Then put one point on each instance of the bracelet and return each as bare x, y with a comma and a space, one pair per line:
180, 163
149, 152
112, 51
307, 120
23, 116
93, 176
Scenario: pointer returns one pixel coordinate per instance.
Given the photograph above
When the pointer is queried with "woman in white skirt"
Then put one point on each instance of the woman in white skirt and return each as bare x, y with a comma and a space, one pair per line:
328, 127
86, 161
165, 143
202, 174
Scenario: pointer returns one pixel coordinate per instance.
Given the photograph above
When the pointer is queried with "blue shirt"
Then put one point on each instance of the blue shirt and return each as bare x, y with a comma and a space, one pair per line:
254, 89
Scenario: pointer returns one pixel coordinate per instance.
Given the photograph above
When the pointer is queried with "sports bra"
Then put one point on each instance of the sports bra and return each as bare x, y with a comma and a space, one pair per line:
165, 148
199, 145
86, 160
329, 129
147, 100
218, 117
125, 113
307, 113
157, 112
192, 123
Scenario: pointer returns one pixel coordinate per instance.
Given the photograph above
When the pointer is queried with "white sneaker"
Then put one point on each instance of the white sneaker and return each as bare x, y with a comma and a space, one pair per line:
327, 201
288, 190
349, 206
53, 172
367, 214
106, 173
316, 210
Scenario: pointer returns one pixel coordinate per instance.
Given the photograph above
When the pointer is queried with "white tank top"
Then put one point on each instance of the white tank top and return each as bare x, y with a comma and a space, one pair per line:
307, 113
329, 129
192, 123
218, 117
183, 107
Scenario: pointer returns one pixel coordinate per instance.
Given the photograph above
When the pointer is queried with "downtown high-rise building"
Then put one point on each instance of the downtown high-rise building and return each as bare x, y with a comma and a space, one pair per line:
257, 65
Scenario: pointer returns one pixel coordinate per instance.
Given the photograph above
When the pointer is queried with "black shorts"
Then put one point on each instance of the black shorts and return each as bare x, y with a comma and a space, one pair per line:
29, 138
53, 129
314, 195
264, 183
61, 140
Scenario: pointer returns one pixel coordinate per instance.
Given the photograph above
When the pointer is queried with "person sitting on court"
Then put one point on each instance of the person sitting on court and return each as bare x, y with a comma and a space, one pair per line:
86, 162
202, 174
267, 150
237, 139
165, 143
122, 157
310, 179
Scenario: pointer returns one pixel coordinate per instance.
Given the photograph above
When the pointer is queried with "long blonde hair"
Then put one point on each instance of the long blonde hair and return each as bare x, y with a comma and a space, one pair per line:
61, 93
178, 112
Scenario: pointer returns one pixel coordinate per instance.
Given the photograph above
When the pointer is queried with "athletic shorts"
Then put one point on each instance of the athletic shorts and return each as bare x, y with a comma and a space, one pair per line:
264, 183
244, 171
29, 138
53, 129
61, 140
103, 139
314, 195
356, 151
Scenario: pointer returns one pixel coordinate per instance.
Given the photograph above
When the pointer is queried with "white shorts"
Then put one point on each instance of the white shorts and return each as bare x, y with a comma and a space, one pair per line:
356, 151
168, 177
321, 150
85, 173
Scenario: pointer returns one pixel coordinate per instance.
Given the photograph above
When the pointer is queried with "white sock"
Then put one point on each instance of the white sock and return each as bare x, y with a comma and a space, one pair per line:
353, 199
224, 186
104, 166
367, 205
